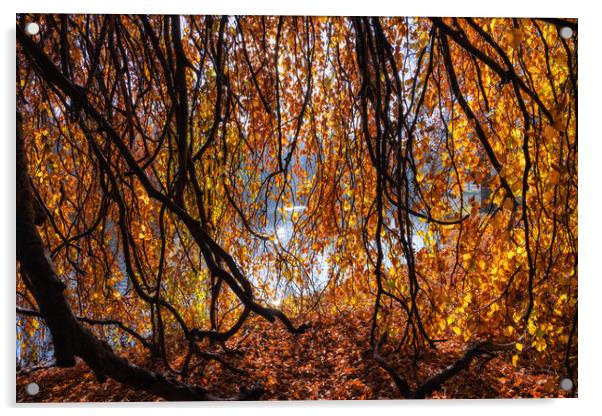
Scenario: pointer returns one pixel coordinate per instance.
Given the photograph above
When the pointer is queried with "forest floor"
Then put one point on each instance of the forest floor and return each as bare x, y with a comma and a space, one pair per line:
331, 360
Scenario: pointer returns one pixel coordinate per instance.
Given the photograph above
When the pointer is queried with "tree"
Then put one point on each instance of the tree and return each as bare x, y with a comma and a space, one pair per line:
179, 175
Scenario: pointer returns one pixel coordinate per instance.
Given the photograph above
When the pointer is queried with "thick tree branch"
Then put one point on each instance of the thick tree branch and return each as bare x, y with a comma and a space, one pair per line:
70, 338
433, 383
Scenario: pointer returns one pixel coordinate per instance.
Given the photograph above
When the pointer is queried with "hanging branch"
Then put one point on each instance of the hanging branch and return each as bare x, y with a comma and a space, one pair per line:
69, 337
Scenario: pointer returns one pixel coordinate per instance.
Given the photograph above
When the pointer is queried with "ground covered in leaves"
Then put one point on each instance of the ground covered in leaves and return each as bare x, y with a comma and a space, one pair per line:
332, 360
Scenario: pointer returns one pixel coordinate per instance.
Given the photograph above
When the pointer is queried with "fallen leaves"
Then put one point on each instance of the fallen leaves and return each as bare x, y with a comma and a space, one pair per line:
331, 361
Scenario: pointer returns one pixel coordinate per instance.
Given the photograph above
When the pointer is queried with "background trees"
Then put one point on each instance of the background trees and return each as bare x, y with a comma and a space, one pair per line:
188, 173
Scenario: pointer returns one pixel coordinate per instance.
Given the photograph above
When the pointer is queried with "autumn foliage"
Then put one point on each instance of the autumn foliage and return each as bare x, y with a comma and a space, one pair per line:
385, 202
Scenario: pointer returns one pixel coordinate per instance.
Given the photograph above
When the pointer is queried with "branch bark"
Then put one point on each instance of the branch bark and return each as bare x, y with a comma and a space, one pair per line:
210, 249
69, 337
433, 383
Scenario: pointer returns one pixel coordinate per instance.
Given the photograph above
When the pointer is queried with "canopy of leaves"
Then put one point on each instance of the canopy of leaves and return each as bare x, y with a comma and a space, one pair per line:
196, 176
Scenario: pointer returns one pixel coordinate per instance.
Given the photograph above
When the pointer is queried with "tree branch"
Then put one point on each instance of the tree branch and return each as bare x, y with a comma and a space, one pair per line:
434, 383
70, 338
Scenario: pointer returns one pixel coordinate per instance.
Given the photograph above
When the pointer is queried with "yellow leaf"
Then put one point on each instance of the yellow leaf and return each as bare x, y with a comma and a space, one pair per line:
516, 37
531, 327
457, 330
482, 264
539, 345
423, 39
514, 360
519, 346
549, 132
